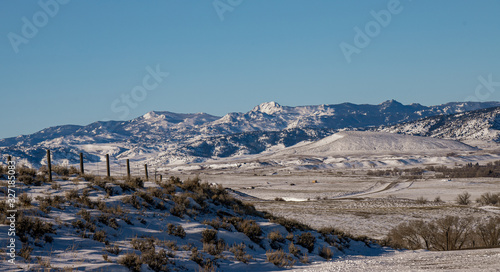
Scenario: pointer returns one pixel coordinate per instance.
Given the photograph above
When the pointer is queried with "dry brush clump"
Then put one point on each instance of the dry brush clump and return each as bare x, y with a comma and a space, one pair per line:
239, 251
176, 230
463, 199
489, 199
448, 233
306, 240
280, 258
276, 239
325, 252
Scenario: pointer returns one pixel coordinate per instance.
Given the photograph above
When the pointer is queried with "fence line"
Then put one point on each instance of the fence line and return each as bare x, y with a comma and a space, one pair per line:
108, 167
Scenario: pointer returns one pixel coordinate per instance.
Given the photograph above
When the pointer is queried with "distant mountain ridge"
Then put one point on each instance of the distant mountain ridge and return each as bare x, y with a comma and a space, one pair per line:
483, 124
165, 137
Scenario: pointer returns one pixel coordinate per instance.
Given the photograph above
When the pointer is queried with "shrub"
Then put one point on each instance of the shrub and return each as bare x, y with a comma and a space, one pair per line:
133, 183
25, 199
463, 199
195, 256
72, 194
23, 170
489, 232
421, 200
326, 253
217, 224
29, 180
215, 249
132, 261
156, 261
88, 177
146, 197
113, 249
191, 184
305, 259
32, 226
156, 192
100, 236
307, 240
280, 258
178, 210
275, 238
167, 243
25, 251
176, 230
143, 244
208, 236
438, 199
448, 233
239, 253
249, 227
293, 249
107, 220
289, 224
489, 199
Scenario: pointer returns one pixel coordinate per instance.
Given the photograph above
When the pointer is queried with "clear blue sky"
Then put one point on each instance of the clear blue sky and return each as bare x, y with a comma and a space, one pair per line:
91, 54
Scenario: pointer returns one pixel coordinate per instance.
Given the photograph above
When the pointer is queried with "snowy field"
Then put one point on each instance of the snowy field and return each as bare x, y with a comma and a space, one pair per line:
466, 260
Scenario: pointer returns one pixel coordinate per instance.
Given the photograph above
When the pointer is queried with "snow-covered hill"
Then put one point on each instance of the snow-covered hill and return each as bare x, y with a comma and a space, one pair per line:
166, 137
481, 124
374, 142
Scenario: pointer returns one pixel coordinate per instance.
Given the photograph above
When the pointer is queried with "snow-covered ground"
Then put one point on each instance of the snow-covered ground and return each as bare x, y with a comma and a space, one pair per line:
480, 260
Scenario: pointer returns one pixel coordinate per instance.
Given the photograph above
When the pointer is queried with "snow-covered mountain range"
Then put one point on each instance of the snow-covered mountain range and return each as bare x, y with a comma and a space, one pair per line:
166, 137
481, 125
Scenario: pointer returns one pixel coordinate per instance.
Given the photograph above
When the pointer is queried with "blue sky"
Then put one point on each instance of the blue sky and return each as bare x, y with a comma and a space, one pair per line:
87, 57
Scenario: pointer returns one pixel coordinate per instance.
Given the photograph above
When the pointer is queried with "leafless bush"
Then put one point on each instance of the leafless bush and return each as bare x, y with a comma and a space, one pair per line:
133, 183
276, 238
176, 230
32, 226
239, 253
448, 233
293, 249
132, 261
172, 245
143, 244
217, 224
249, 227
100, 236
289, 224
72, 194
157, 261
463, 199
422, 200
113, 249
326, 253
25, 251
214, 249
489, 199
208, 236
25, 199
280, 258
178, 210
307, 240
489, 232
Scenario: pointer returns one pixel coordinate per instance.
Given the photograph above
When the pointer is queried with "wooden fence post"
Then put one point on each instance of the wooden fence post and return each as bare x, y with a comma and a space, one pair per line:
82, 171
49, 165
128, 168
146, 170
107, 166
